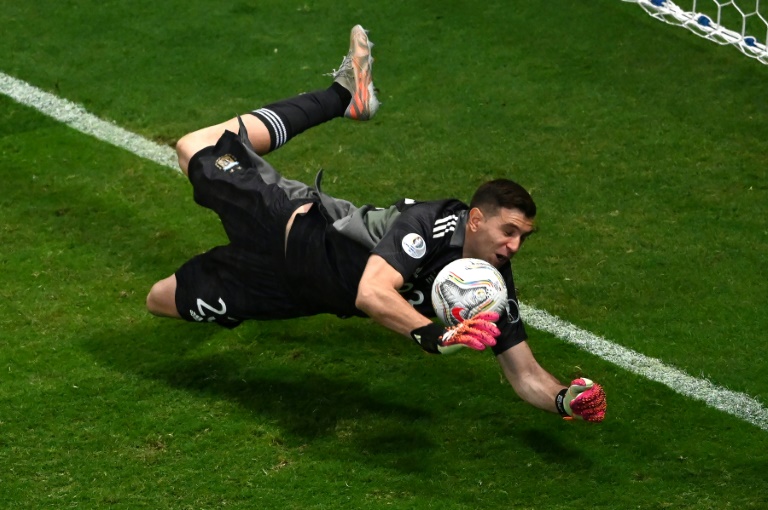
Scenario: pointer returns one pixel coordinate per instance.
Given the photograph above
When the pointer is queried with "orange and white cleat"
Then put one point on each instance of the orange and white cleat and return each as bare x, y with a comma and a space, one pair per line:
355, 75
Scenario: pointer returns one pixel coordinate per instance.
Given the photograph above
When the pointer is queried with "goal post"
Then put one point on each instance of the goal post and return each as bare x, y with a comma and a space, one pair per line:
739, 23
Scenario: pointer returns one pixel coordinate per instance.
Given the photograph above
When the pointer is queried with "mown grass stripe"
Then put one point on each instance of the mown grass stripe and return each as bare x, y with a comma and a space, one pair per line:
737, 404
77, 117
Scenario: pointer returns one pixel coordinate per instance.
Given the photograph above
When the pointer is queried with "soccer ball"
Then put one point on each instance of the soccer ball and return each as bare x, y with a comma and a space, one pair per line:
466, 287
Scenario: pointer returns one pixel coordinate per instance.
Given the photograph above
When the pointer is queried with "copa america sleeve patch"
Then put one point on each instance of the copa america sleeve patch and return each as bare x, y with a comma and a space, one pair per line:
414, 246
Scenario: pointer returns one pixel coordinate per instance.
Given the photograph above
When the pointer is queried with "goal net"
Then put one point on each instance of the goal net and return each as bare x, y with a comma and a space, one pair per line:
739, 23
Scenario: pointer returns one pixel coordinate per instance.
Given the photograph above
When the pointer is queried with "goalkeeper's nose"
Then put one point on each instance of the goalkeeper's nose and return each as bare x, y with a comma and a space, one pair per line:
513, 245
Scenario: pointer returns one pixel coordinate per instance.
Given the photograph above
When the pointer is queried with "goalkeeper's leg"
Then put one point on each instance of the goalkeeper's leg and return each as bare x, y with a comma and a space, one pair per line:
351, 95
161, 300
271, 126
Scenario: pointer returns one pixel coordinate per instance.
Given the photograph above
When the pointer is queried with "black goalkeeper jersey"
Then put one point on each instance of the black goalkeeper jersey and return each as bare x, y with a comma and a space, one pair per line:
418, 239
326, 251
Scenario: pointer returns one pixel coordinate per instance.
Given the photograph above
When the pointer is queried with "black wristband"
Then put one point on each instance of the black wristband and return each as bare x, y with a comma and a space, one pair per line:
428, 337
560, 403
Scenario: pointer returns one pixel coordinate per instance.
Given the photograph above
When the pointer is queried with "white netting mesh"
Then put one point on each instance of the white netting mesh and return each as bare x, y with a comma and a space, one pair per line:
740, 23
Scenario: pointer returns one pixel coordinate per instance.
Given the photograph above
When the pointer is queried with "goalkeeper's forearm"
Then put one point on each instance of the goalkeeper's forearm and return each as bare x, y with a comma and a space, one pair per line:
529, 380
388, 308
540, 393
379, 299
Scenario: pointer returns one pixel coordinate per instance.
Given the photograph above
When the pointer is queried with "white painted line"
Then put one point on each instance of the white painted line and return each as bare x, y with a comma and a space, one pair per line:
76, 117
737, 404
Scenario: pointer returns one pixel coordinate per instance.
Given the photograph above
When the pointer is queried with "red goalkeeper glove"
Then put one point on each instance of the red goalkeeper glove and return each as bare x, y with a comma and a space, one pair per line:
584, 400
476, 333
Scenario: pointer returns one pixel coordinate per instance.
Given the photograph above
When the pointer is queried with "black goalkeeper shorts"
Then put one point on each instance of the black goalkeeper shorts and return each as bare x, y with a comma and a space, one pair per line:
228, 285
245, 279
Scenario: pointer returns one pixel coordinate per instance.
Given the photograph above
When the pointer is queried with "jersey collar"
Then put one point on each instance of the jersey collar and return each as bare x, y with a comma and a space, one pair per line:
457, 239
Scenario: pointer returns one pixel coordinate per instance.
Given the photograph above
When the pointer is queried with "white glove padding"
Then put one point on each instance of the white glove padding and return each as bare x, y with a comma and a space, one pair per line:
476, 333
583, 400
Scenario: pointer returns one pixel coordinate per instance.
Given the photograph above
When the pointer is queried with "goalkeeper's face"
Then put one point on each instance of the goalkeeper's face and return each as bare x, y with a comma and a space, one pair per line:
495, 237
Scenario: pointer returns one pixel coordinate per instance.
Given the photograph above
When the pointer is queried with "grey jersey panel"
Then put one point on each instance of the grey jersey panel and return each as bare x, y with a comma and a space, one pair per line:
365, 225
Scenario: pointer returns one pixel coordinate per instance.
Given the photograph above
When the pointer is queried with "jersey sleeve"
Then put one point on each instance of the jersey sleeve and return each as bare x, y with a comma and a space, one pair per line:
406, 245
511, 326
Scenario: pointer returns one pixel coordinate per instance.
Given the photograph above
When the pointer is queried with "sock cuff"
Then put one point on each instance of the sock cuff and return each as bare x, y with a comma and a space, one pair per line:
278, 133
290, 117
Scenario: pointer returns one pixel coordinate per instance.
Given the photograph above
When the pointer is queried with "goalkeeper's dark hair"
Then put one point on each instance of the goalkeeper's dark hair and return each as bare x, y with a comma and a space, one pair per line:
493, 195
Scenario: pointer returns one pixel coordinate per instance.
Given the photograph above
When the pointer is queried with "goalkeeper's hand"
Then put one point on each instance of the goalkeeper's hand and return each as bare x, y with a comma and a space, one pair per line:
476, 333
584, 400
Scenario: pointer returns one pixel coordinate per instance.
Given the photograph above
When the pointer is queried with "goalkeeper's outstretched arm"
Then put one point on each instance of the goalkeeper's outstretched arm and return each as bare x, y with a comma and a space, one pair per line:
378, 297
529, 380
583, 399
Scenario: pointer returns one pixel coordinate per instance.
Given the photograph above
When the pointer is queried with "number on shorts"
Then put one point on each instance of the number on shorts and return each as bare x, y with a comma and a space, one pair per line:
202, 304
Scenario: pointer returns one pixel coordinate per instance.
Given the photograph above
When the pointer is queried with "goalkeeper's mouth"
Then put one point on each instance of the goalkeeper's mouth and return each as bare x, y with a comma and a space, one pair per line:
501, 259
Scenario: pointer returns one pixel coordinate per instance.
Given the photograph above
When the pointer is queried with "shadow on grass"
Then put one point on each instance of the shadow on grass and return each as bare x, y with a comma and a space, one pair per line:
307, 404
552, 449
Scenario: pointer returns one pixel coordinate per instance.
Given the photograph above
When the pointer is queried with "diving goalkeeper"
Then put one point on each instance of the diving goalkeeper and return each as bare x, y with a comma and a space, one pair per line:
295, 251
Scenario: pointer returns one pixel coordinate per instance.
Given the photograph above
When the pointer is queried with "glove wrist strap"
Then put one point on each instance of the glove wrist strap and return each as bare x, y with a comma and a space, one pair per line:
428, 337
560, 403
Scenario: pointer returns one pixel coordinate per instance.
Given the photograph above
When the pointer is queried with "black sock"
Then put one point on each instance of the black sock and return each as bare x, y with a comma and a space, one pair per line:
344, 95
290, 117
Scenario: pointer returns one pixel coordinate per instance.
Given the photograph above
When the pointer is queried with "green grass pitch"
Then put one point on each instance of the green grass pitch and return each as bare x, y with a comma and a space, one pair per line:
643, 145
